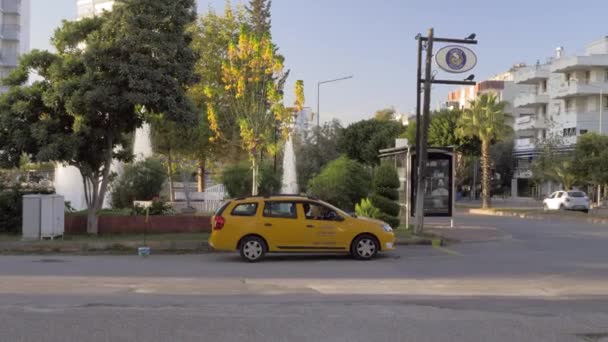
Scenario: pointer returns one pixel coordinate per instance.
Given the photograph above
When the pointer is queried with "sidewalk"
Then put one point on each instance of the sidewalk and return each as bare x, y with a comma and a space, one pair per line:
171, 245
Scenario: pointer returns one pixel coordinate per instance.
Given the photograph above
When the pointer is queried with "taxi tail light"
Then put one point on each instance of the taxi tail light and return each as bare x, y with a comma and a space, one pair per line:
218, 222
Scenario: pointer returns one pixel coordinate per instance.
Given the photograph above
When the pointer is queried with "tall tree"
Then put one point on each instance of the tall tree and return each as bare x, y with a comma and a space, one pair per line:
485, 120
591, 160
252, 84
260, 17
92, 91
386, 114
362, 140
556, 165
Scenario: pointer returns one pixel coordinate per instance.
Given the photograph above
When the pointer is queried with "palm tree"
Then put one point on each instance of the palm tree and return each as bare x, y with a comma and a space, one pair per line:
485, 120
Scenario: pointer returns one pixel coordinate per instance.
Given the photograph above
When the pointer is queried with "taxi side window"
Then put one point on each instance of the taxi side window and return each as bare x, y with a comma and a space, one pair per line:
280, 209
314, 211
245, 209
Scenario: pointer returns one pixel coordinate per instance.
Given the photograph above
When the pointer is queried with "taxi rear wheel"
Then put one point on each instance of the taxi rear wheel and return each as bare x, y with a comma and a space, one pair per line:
253, 248
364, 247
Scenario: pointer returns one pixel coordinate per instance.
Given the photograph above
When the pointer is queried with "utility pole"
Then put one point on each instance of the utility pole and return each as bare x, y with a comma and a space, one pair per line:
421, 158
422, 121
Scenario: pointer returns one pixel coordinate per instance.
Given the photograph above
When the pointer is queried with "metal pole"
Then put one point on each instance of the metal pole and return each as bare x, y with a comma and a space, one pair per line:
601, 107
422, 157
318, 104
418, 91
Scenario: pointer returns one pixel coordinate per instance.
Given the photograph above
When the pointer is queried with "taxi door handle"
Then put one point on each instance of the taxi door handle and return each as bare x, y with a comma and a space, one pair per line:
267, 224
309, 226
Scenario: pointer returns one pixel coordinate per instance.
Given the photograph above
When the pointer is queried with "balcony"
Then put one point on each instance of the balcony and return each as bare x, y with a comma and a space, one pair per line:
575, 89
532, 75
568, 64
529, 122
530, 100
10, 6
525, 144
10, 32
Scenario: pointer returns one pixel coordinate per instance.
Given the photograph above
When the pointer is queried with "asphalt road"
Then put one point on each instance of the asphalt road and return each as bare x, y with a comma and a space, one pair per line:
546, 281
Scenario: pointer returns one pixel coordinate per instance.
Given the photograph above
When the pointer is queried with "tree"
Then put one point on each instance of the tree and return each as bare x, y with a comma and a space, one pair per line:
92, 92
315, 150
386, 114
591, 159
385, 194
343, 183
502, 165
362, 140
556, 165
259, 16
253, 81
212, 36
485, 120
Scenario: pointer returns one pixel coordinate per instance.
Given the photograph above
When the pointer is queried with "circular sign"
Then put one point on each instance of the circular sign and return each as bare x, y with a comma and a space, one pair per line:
456, 59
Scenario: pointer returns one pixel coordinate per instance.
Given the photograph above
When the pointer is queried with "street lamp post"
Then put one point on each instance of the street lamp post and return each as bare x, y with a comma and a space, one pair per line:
319, 94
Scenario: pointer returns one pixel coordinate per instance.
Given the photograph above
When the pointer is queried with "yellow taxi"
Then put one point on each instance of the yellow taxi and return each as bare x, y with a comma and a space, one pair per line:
255, 226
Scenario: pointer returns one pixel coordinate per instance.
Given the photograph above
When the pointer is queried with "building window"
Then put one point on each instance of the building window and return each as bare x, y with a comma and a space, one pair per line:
543, 86
605, 102
568, 105
569, 132
606, 76
568, 77
583, 131
587, 77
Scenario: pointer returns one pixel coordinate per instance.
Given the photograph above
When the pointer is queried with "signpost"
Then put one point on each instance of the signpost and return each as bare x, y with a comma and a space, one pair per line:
453, 59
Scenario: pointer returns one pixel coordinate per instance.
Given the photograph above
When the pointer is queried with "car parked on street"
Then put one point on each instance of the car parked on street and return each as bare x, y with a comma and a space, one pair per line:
567, 200
255, 226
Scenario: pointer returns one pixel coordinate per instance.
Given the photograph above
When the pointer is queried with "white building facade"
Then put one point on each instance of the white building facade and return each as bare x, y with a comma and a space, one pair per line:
14, 34
89, 8
569, 98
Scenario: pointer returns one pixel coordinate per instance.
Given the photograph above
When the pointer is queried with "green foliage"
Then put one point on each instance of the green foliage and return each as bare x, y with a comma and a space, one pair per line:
591, 159
141, 181
443, 132
502, 158
386, 114
237, 180
157, 208
555, 165
366, 209
91, 93
315, 150
385, 193
259, 16
11, 207
362, 140
343, 183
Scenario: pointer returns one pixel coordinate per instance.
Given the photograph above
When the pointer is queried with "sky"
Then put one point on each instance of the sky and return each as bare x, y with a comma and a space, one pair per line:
374, 42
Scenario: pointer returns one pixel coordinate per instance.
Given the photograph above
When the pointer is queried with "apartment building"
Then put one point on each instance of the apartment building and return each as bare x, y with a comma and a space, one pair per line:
14, 34
569, 98
89, 8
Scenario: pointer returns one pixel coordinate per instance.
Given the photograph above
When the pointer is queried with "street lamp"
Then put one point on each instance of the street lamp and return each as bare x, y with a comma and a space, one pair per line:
319, 95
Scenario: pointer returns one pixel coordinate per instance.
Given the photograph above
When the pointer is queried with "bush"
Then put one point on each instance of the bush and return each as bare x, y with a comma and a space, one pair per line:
157, 208
386, 185
141, 181
11, 207
343, 183
367, 209
238, 180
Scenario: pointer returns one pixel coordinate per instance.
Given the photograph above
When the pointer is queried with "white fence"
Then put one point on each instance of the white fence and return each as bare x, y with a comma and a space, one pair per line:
203, 202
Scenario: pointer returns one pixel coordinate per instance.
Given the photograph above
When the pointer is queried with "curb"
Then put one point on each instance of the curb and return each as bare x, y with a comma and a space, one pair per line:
158, 247
529, 216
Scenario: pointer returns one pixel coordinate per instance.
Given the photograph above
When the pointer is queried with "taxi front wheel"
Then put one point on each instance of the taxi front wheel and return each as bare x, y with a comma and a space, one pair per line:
364, 247
253, 248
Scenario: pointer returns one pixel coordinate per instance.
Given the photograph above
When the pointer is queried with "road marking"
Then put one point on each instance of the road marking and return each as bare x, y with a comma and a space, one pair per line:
447, 251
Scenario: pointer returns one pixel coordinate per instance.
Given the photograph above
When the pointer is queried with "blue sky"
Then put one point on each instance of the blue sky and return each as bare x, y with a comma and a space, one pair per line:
374, 41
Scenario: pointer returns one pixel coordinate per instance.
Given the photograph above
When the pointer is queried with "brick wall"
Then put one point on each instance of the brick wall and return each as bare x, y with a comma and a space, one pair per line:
77, 224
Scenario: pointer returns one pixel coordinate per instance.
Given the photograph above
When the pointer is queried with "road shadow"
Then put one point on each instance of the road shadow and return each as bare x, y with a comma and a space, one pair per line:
301, 257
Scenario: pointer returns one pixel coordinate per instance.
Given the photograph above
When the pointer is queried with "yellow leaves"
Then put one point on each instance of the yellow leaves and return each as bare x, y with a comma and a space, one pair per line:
213, 123
299, 92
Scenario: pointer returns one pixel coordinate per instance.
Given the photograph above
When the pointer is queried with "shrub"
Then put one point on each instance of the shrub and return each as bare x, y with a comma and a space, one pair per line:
141, 181
386, 185
157, 208
343, 183
237, 180
367, 209
11, 207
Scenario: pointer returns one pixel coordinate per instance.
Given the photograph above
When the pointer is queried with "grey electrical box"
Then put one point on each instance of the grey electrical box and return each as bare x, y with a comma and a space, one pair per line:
43, 217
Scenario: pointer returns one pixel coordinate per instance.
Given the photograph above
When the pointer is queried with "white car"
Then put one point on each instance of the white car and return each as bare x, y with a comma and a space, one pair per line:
567, 200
